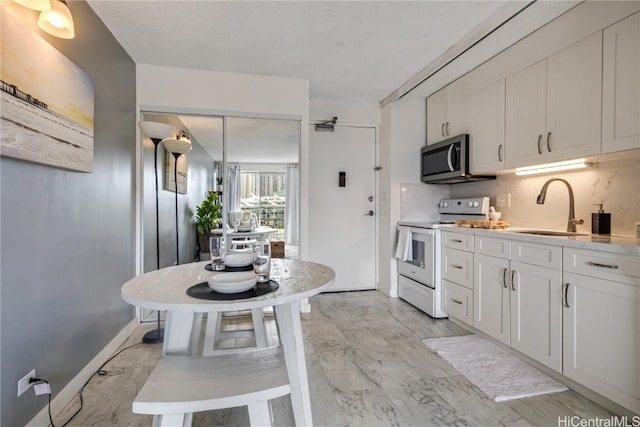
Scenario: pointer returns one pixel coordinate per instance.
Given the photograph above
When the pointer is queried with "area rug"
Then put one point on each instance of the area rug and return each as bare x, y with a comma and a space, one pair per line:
499, 375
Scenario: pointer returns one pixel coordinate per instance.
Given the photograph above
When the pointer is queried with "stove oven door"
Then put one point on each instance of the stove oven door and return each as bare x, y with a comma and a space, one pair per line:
420, 266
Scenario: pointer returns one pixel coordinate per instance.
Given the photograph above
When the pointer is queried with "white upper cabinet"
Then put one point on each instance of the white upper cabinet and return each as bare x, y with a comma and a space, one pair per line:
574, 100
553, 108
621, 86
486, 128
436, 116
526, 106
447, 112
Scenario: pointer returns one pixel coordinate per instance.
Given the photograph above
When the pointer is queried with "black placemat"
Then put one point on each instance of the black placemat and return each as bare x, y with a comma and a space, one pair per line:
230, 269
203, 291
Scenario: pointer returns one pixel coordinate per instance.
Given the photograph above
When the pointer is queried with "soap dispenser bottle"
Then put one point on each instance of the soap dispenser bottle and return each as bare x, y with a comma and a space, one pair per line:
600, 221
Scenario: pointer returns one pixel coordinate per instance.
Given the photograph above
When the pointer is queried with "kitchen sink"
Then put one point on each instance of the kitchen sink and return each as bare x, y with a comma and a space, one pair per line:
549, 233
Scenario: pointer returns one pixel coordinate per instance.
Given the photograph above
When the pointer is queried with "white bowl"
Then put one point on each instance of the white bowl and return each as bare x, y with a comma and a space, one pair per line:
231, 283
238, 259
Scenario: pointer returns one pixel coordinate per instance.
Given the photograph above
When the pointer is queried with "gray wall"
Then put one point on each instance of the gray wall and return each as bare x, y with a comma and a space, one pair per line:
67, 238
199, 181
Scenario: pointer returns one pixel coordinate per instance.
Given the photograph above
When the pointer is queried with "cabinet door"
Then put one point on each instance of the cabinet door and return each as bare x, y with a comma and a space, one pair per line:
486, 128
456, 94
491, 296
536, 313
601, 339
621, 86
574, 100
436, 116
525, 127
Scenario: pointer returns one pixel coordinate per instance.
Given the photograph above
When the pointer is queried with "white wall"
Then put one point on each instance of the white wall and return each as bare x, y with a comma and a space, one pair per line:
348, 113
180, 90
402, 134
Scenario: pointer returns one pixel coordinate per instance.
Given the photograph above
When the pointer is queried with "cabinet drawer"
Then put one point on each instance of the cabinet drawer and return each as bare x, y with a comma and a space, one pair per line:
457, 266
500, 248
458, 241
457, 301
618, 267
537, 254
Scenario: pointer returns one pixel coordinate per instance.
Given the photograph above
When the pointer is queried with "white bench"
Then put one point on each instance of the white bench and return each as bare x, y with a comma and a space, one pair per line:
182, 385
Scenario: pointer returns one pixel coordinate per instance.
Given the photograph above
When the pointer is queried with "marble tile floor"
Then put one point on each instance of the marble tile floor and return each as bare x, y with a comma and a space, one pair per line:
367, 366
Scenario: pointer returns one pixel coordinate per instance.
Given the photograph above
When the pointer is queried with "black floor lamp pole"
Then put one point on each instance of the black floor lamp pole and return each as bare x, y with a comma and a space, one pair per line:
175, 178
156, 336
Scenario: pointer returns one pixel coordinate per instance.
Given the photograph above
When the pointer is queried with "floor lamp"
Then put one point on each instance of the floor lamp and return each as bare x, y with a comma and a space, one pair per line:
156, 133
178, 146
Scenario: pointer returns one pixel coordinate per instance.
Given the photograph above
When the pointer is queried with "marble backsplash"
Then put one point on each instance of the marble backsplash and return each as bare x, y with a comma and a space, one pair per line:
616, 184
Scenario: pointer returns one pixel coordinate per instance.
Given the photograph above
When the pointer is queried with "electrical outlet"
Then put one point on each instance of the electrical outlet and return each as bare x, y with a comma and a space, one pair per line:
24, 384
503, 200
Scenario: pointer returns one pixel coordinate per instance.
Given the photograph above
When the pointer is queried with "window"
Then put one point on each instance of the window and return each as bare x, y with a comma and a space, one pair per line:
265, 194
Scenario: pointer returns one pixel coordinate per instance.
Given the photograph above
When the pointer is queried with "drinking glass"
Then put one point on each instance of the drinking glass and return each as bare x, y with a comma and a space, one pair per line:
262, 260
217, 249
234, 219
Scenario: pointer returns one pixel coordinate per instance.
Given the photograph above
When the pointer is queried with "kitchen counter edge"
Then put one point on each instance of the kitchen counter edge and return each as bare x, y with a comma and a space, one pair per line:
615, 244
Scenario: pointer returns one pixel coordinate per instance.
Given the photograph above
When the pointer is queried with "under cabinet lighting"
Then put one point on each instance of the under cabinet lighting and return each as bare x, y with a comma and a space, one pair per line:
553, 167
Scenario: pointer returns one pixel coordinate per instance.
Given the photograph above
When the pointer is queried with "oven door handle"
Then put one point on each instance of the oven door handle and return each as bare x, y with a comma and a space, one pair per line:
449, 159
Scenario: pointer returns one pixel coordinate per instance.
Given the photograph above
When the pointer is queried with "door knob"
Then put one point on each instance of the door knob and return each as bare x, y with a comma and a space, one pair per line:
370, 198
370, 213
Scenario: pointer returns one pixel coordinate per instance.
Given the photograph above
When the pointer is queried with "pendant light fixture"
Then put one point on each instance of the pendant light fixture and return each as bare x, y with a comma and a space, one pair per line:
57, 21
39, 5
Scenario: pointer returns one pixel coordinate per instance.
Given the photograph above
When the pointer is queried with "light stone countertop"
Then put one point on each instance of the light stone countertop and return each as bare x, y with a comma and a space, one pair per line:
599, 242
166, 289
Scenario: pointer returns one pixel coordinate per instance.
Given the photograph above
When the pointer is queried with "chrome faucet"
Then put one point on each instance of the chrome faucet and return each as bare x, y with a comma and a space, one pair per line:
571, 223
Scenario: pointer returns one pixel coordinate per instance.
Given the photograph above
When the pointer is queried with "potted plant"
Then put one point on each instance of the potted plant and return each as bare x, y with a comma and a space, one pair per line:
209, 216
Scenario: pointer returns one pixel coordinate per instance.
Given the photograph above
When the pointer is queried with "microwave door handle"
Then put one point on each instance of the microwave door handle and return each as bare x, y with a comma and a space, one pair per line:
449, 155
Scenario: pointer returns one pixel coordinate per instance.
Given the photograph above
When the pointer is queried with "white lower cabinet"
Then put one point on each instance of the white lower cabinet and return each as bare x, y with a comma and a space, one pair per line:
601, 328
576, 311
491, 296
457, 301
519, 303
536, 313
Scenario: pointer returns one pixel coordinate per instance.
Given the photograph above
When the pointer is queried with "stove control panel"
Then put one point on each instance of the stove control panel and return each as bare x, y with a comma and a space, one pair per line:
470, 206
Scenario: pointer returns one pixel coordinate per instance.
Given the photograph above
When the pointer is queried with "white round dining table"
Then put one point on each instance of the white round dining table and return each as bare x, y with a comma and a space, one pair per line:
166, 290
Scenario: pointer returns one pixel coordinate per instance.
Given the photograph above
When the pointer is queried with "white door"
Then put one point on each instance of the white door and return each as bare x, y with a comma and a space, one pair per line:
342, 221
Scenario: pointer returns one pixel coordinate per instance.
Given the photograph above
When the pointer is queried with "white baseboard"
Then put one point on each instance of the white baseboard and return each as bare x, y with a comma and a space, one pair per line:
70, 391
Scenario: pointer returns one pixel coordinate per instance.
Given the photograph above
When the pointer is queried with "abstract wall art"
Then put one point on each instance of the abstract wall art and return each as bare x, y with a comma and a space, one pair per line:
47, 102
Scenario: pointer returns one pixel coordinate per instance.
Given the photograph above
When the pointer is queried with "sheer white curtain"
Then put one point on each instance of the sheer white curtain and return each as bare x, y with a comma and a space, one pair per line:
291, 211
233, 186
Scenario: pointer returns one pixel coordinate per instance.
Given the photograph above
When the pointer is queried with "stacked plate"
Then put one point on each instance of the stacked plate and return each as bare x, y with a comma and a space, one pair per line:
231, 283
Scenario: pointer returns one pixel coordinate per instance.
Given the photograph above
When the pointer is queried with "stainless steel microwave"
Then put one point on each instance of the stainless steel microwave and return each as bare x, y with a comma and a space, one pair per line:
447, 162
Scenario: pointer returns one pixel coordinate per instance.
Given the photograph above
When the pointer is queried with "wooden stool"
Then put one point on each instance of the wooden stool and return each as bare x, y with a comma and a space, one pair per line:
182, 385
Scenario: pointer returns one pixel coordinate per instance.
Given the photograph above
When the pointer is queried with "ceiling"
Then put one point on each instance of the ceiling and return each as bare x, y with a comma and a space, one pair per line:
348, 50
364, 51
